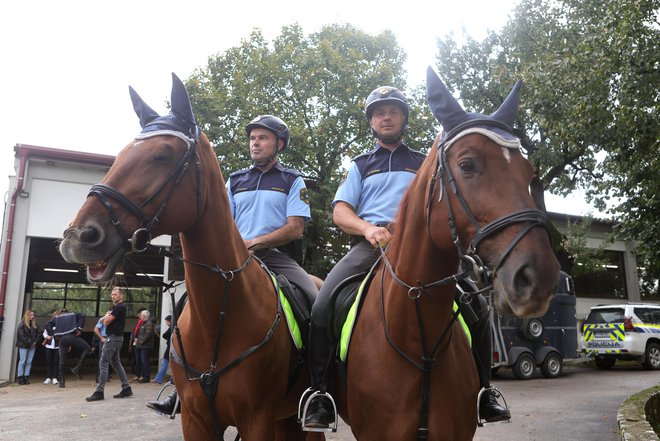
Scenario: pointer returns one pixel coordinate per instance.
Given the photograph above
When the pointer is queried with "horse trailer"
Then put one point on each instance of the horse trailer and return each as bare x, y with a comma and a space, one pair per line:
523, 344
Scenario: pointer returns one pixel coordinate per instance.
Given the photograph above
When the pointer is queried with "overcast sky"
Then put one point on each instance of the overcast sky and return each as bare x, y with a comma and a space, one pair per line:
66, 65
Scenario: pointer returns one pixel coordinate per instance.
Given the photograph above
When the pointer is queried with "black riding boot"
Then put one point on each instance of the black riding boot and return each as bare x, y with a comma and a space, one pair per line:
76, 369
320, 412
490, 411
165, 406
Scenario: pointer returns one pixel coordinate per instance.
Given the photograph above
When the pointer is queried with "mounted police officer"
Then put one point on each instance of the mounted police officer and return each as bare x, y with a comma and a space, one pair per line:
365, 204
269, 202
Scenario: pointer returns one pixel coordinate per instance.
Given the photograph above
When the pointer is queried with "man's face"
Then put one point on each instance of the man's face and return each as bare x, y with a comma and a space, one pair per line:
262, 144
387, 120
117, 296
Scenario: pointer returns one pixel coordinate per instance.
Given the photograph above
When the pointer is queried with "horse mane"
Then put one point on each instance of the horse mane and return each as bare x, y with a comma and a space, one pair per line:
407, 212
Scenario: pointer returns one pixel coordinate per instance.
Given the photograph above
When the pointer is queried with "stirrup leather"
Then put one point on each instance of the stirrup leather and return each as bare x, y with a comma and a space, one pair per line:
498, 394
303, 406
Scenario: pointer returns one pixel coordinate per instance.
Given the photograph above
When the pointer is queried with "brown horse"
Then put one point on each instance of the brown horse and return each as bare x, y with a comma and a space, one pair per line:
233, 338
410, 372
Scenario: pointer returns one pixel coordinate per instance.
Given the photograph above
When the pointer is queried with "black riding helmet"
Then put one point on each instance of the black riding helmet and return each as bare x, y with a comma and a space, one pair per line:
273, 124
387, 95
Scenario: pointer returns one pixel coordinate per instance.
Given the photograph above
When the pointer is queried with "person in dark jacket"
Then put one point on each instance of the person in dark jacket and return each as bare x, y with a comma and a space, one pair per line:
26, 341
144, 342
67, 328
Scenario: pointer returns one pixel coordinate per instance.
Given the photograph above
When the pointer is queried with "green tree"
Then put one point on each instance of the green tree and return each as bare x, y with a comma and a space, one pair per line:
590, 100
317, 84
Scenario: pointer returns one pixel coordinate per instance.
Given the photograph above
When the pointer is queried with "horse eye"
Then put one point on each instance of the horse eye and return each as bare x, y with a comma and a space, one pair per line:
466, 166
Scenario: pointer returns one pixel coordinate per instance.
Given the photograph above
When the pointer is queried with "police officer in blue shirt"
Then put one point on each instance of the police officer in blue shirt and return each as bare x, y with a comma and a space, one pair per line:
365, 204
269, 202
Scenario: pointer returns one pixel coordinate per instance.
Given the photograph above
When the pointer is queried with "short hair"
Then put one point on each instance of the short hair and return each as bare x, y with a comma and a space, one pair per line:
168, 318
146, 313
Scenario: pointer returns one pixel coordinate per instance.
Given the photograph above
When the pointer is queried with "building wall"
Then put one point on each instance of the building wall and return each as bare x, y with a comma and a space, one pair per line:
53, 191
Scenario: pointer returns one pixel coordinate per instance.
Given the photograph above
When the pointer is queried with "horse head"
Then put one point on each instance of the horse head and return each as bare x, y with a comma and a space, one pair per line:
152, 186
500, 236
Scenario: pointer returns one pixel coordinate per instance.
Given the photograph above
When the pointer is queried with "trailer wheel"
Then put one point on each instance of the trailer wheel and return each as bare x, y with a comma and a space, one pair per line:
532, 328
524, 367
552, 365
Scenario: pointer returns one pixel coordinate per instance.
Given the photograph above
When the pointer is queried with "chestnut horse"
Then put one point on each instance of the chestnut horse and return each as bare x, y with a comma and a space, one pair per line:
233, 338
410, 371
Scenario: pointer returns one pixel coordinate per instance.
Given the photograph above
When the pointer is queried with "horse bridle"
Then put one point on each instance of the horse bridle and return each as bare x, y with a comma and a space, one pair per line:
471, 263
141, 237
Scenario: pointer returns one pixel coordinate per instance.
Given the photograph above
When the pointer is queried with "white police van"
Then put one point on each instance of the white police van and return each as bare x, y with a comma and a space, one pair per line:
623, 332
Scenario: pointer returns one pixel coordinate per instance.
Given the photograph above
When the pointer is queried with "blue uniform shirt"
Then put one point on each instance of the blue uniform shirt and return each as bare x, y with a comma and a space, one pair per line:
102, 327
375, 182
261, 202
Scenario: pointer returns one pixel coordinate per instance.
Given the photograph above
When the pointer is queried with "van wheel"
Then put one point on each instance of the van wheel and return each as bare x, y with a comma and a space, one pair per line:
532, 328
523, 369
652, 358
604, 363
552, 365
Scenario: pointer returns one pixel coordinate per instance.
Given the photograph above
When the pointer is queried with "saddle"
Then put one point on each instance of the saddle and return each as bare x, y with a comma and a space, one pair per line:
299, 306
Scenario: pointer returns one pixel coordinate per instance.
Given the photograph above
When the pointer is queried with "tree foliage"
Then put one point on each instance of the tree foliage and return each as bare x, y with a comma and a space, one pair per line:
317, 84
589, 112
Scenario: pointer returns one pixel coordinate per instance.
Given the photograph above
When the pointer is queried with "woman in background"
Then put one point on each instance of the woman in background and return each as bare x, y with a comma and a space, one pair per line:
26, 341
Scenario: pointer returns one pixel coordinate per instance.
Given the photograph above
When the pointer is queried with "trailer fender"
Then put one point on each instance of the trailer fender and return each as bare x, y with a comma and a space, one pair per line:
515, 352
543, 352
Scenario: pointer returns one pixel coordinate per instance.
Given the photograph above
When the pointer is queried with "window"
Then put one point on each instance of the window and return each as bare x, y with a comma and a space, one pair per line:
90, 300
610, 315
609, 282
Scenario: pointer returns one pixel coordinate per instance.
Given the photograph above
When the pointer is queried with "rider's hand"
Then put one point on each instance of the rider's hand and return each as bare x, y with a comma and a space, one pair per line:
378, 236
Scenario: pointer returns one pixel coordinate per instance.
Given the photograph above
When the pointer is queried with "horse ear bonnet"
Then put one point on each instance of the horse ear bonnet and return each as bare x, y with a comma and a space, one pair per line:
181, 119
457, 123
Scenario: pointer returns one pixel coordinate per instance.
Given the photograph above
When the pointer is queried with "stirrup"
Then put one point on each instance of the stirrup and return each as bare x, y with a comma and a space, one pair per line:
303, 405
167, 385
498, 394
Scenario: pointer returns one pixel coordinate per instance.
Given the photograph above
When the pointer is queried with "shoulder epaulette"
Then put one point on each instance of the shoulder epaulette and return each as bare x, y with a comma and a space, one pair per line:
240, 172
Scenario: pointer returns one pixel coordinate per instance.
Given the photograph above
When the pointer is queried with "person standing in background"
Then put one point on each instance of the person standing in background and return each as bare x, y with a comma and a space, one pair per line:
160, 376
132, 343
144, 342
115, 321
52, 349
27, 335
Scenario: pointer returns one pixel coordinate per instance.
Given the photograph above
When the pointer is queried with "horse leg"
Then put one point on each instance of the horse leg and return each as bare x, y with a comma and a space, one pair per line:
195, 428
289, 430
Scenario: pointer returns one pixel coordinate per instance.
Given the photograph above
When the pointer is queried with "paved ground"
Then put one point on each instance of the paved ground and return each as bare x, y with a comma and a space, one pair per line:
582, 404
39, 412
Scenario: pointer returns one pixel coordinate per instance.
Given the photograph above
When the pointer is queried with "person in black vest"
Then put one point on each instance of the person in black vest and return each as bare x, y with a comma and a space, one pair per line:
115, 321
67, 329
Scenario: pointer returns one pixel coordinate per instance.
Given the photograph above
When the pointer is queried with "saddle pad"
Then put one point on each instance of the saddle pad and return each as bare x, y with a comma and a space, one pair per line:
294, 328
351, 318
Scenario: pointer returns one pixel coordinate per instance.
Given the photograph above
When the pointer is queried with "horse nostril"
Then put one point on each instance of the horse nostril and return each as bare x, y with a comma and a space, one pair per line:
523, 279
90, 235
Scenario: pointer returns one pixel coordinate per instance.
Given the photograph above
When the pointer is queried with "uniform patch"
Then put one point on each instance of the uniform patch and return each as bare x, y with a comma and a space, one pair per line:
304, 196
343, 178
